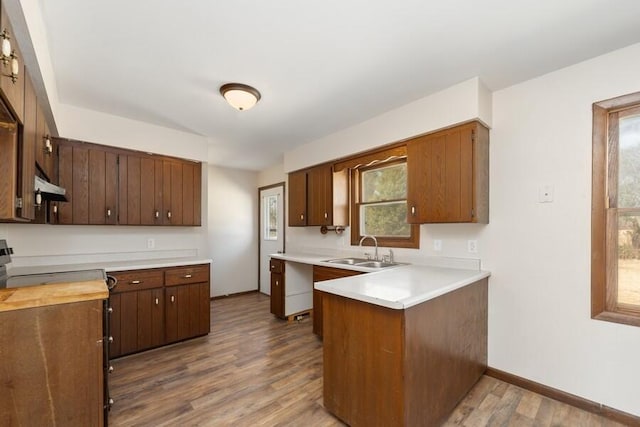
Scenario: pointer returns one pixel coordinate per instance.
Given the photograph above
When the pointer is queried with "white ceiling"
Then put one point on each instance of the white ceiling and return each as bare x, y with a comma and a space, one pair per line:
321, 66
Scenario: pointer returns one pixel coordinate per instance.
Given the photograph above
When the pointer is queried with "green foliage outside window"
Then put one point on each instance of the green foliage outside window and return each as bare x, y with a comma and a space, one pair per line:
383, 208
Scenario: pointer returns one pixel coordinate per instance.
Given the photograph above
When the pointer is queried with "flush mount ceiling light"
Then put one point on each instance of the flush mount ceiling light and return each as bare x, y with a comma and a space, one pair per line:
239, 96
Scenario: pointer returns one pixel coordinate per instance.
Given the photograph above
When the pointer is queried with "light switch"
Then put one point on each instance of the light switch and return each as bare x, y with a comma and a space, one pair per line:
545, 194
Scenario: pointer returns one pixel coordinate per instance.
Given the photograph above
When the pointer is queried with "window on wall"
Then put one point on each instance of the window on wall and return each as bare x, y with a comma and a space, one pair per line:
379, 205
270, 217
615, 245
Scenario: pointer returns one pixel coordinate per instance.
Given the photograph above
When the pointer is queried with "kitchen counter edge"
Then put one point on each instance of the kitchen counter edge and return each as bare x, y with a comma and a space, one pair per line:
52, 294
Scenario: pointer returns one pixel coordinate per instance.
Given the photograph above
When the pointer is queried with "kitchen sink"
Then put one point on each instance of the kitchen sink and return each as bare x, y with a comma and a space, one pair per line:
348, 261
363, 262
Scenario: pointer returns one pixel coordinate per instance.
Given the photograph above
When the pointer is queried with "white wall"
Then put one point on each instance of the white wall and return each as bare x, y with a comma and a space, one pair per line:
465, 101
539, 254
540, 326
273, 175
233, 230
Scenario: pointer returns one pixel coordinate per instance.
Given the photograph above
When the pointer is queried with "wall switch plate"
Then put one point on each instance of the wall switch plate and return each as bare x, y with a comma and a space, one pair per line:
151, 243
437, 245
472, 246
545, 194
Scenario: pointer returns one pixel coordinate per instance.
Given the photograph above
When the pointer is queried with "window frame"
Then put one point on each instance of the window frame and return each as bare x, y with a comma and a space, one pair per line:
605, 213
413, 241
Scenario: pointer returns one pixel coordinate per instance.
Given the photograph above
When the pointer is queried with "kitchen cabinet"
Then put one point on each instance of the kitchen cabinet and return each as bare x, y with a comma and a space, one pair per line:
448, 176
28, 157
297, 199
187, 302
13, 91
89, 175
318, 196
291, 294
107, 185
182, 186
320, 274
53, 373
403, 367
277, 287
154, 307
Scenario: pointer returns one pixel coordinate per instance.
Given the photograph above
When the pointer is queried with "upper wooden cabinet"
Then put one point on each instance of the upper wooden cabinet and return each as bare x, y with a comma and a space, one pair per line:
46, 159
448, 176
12, 88
107, 185
298, 199
318, 196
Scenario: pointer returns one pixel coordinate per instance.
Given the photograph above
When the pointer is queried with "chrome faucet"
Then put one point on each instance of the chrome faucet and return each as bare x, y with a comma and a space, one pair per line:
374, 241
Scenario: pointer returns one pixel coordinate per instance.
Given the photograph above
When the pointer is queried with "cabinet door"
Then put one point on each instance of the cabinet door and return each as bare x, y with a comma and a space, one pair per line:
187, 194
297, 199
204, 308
128, 322
28, 153
277, 295
150, 318
102, 187
171, 314
45, 158
172, 192
64, 212
197, 194
320, 196
441, 177
133, 190
80, 185
320, 274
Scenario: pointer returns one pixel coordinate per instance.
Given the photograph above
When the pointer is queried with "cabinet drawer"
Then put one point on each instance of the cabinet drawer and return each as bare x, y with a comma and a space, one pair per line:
135, 280
276, 266
188, 274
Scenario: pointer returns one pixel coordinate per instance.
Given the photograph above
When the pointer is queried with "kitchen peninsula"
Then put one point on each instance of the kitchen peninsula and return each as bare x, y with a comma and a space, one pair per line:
402, 345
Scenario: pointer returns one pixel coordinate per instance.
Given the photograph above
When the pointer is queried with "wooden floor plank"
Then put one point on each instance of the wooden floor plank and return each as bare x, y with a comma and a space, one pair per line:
256, 370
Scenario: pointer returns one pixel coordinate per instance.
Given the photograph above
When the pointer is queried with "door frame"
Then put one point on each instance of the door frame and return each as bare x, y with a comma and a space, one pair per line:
282, 184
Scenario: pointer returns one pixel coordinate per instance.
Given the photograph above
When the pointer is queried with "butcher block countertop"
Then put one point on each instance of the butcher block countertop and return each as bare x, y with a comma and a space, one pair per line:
52, 294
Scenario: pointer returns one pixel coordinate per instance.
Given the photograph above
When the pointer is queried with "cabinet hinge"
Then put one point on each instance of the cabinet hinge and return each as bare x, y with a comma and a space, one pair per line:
19, 202
473, 135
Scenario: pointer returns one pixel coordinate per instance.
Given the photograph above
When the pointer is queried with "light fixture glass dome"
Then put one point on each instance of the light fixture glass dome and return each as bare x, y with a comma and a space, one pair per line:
240, 96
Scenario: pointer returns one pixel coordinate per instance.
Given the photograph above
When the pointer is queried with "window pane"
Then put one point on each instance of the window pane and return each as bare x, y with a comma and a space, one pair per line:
271, 217
385, 220
629, 169
385, 183
629, 259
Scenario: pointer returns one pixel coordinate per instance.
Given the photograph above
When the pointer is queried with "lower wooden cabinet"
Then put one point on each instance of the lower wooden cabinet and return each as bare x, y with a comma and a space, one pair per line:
155, 307
53, 373
321, 274
291, 295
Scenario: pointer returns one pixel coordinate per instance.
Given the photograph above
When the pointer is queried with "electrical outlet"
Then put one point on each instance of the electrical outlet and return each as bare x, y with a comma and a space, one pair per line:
151, 243
437, 245
472, 246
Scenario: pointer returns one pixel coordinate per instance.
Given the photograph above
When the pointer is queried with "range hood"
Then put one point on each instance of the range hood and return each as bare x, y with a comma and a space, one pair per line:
49, 191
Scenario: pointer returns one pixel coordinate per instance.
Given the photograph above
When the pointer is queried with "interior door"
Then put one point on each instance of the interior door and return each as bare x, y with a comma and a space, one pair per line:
271, 230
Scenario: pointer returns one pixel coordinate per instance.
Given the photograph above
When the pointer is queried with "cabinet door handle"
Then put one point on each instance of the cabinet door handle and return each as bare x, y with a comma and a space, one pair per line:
173, 298
326, 215
277, 283
169, 214
157, 214
301, 217
136, 282
110, 368
55, 209
157, 301
108, 213
413, 210
110, 339
110, 310
187, 276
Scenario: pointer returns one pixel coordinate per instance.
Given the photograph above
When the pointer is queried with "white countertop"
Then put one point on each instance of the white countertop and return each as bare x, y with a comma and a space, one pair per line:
109, 266
396, 287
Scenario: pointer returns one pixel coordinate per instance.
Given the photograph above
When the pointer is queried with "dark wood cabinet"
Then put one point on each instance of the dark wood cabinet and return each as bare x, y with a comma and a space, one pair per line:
155, 307
448, 176
318, 196
46, 156
320, 274
107, 185
52, 365
28, 153
277, 268
297, 199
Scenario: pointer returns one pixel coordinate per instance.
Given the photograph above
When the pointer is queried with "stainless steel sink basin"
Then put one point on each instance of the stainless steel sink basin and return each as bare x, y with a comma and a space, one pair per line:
347, 261
377, 264
363, 262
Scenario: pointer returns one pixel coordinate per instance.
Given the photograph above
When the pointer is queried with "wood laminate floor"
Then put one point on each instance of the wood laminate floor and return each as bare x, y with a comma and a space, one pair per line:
256, 370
